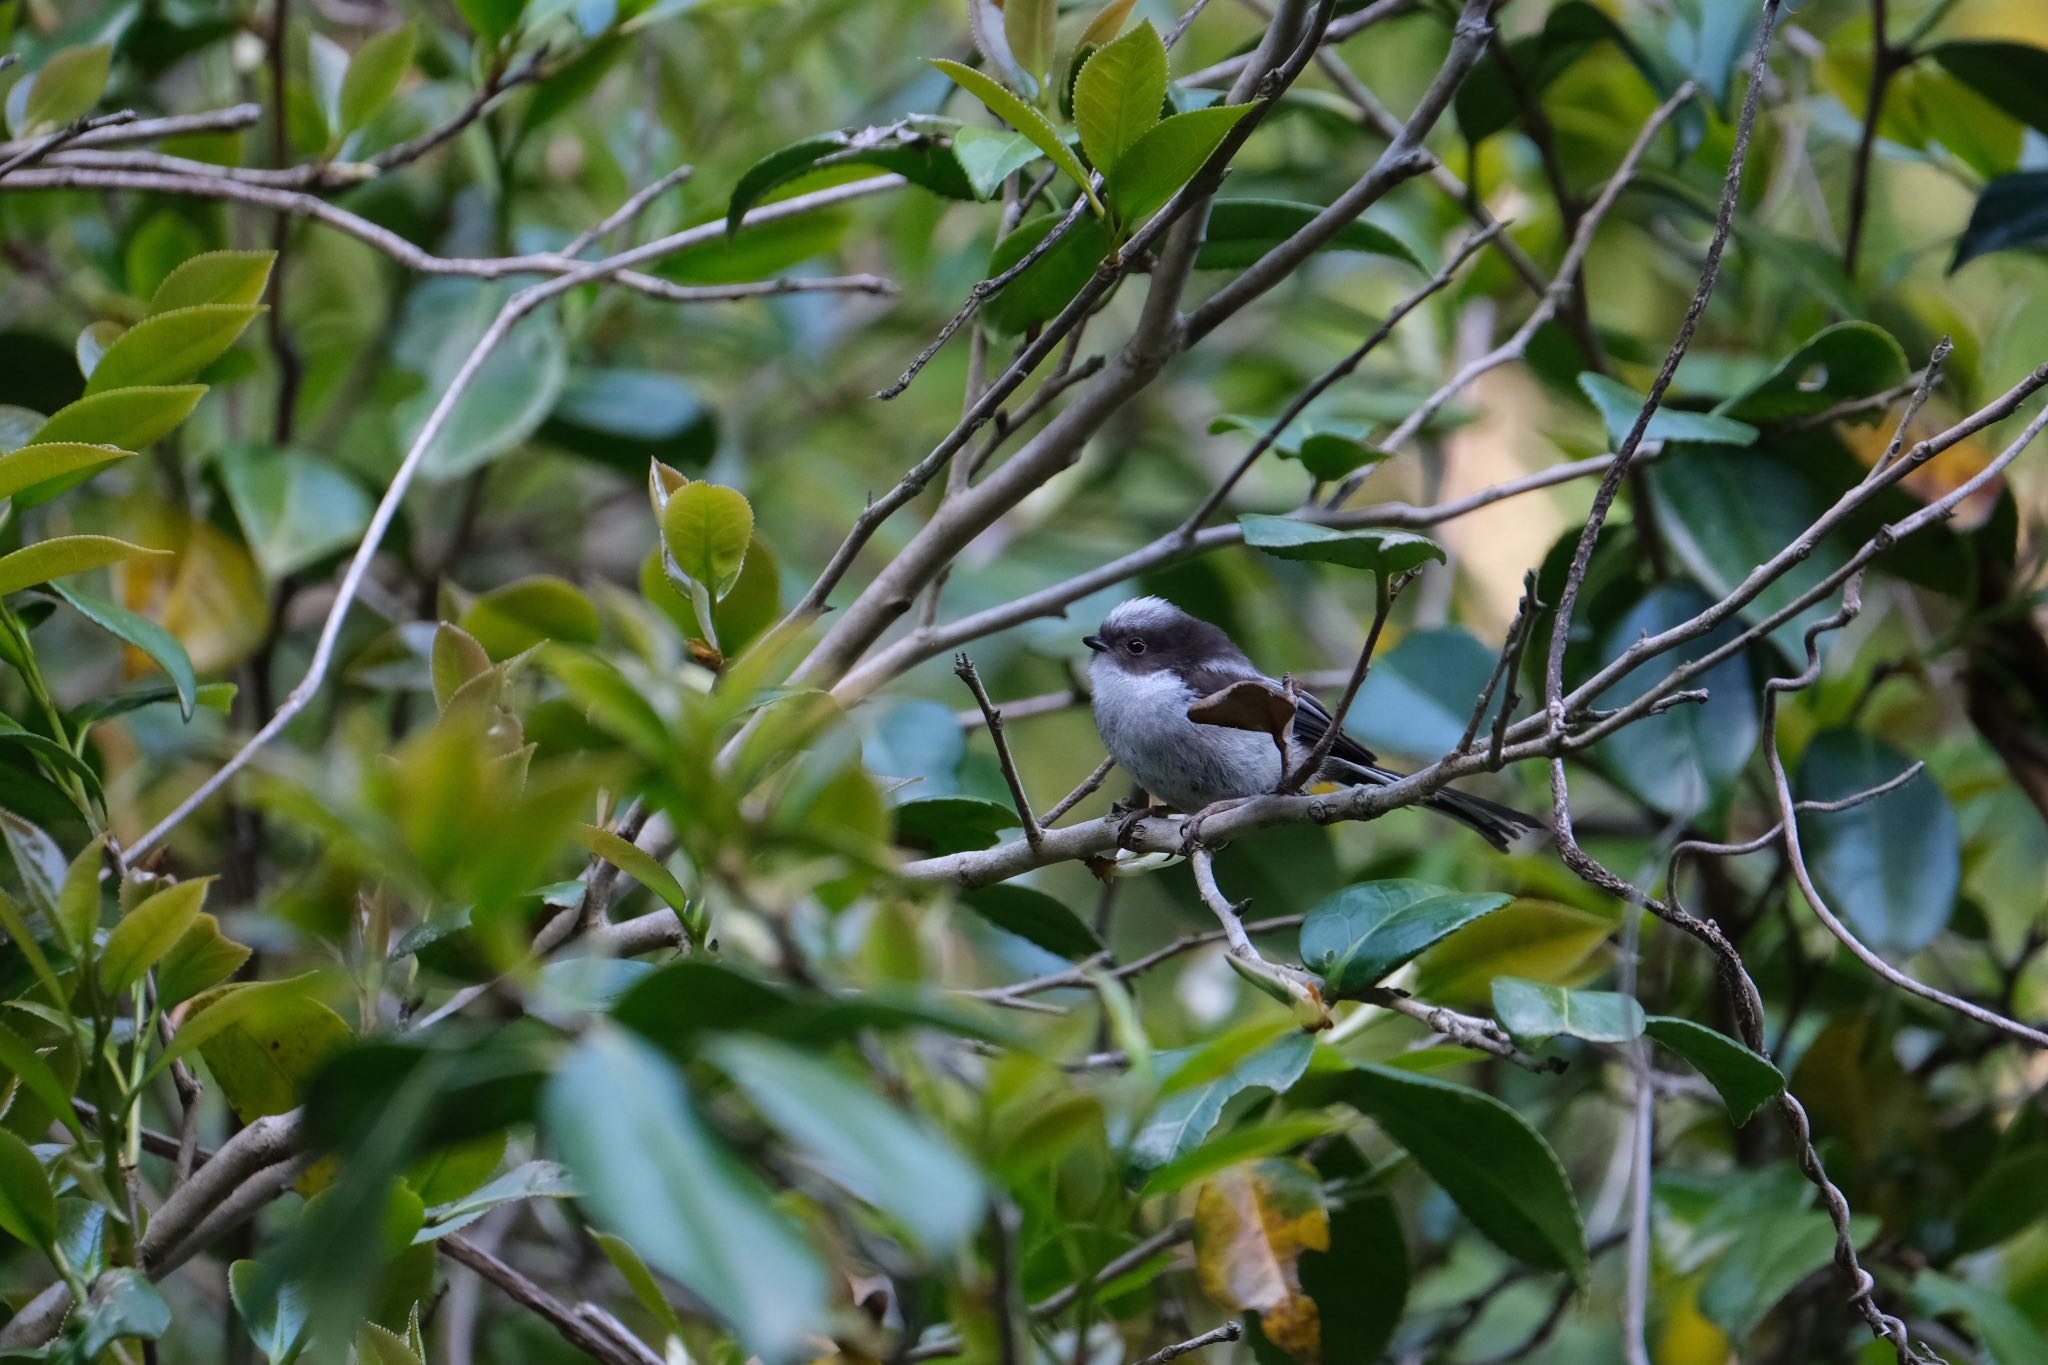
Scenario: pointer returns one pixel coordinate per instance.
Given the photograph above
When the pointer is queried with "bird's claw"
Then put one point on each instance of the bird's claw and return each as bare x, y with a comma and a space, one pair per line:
1128, 826
1191, 828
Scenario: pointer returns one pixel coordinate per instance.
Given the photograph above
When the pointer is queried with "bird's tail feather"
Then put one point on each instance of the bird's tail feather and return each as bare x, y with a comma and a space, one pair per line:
1507, 829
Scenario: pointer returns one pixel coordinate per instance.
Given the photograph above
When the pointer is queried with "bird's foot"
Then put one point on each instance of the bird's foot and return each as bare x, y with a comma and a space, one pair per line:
1191, 828
1133, 816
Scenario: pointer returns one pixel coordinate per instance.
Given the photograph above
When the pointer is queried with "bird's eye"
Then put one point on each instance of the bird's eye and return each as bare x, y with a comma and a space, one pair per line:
1136, 646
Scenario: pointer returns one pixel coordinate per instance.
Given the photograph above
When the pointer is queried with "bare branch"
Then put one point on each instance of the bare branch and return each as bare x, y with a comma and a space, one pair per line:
574, 1326
1229, 1331
1087, 787
963, 669
1383, 606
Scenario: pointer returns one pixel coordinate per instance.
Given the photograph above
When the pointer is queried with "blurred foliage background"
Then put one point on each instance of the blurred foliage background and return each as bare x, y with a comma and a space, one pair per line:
756, 1097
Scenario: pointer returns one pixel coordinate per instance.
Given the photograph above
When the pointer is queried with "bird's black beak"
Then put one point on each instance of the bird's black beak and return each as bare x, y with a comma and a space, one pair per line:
1094, 642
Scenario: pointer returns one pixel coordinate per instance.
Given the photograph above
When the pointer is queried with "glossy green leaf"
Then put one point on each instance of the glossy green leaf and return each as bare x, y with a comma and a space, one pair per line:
295, 508
1360, 935
642, 867
201, 959
1502, 1175
1118, 95
1385, 553
17, 1058
1049, 283
1028, 28
67, 86
146, 933
1166, 157
215, 277
1177, 1125
860, 1142
952, 824
706, 528
265, 1046
512, 619
652, 1172
1035, 917
1360, 1285
1328, 449
2011, 213
1418, 697
28, 1207
1836, 364
1240, 231
129, 418
1536, 1011
1746, 1080
529, 1180
276, 1316
491, 20
1251, 1142
2013, 76
122, 1304
1540, 940
920, 149
171, 347
138, 630
988, 157
48, 559
639, 1279
76, 913
1021, 117
1890, 867
1620, 405
33, 464
1779, 1246
374, 73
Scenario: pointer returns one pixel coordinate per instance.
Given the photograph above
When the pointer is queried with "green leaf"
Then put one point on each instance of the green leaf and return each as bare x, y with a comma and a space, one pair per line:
513, 619
2006, 1200
706, 528
295, 508
1327, 448
529, 1180
42, 461
146, 933
1167, 157
920, 149
165, 239
215, 277
1685, 760
48, 559
1778, 1246
201, 959
1489, 100
374, 73
1181, 1120
1035, 917
860, 1142
123, 1303
1360, 935
2008, 1335
2013, 76
1745, 1079
1240, 231
172, 347
642, 867
1385, 553
128, 418
1118, 95
456, 660
1620, 406
1360, 1284
51, 754
381, 1346
67, 86
640, 1280
276, 1315
1049, 283
144, 634
16, 925
621, 1120
1249, 1143
1028, 28
23, 1061
951, 824
491, 20
511, 395
1103, 27
2011, 213
1501, 1174
988, 156
1535, 1012
76, 915
1418, 697
28, 1207
1541, 940
1890, 867
1836, 364
1023, 118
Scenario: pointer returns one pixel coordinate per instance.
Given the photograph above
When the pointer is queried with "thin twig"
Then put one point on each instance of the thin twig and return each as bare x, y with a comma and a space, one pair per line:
963, 669
1884, 64
40, 147
572, 1326
1505, 666
1383, 606
627, 212
1087, 788
1229, 1331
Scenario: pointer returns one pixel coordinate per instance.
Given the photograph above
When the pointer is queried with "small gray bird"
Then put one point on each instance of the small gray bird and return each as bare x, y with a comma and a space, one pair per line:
1153, 661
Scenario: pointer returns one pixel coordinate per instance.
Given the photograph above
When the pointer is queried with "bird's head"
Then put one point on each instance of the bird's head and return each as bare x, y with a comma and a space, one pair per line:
1151, 635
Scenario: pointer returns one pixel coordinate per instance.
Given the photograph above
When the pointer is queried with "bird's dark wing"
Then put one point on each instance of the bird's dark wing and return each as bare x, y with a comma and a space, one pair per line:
1312, 719
1205, 682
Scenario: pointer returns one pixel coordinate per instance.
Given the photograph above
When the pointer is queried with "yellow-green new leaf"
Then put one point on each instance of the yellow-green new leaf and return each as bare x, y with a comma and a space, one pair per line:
706, 528
67, 86
1118, 95
457, 660
1106, 22
34, 464
231, 277
48, 559
78, 900
128, 418
1154, 167
146, 933
643, 868
35, 1073
1024, 119
374, 73
16, 925
202, 958
172, 347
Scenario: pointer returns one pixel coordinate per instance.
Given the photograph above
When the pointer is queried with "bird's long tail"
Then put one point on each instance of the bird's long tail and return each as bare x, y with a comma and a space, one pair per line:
1507, 829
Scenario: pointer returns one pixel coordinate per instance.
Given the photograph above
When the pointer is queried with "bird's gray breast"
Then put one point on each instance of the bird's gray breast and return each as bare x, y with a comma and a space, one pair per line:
1143, 718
